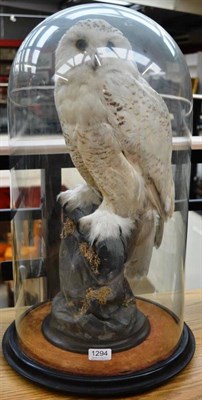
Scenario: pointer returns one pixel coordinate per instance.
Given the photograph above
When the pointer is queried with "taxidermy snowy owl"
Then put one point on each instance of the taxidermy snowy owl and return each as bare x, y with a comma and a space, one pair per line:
118, 133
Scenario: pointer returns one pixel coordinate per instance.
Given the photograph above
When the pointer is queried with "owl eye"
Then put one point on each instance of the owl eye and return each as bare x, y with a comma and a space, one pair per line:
81, 44
110, 44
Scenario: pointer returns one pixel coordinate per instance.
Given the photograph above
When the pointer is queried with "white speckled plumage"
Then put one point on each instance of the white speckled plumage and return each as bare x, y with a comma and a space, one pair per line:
117, 130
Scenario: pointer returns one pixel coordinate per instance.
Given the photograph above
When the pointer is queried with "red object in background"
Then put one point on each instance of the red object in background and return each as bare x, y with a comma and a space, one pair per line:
4, 197
10, 42
27, 197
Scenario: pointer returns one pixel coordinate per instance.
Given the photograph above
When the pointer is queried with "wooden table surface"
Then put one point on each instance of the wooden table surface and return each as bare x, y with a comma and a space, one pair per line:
185, 386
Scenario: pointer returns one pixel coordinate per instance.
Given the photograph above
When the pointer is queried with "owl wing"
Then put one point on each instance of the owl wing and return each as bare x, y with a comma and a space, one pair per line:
142, 126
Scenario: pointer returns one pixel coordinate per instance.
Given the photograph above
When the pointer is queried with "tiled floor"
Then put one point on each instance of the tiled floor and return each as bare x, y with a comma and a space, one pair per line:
193, 270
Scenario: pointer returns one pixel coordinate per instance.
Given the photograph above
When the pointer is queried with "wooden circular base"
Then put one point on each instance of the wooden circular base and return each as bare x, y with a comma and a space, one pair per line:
164, 336
164, 353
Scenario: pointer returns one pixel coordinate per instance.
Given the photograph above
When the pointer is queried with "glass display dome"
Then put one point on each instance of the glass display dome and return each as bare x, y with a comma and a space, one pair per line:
100, 119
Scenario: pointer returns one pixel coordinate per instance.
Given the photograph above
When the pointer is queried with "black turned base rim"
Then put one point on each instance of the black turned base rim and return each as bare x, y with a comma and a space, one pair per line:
103, 386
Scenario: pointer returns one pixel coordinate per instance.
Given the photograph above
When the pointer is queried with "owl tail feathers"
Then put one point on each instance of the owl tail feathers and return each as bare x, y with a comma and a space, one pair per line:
138, 262
159, 221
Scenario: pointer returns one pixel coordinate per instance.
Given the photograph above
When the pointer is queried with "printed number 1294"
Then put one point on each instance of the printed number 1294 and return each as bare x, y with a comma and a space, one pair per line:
99, 354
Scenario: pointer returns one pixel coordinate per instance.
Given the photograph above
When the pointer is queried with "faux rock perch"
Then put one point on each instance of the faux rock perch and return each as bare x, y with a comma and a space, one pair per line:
95, 306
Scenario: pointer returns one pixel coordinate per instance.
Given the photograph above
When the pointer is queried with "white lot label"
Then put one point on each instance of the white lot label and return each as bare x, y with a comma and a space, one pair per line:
99, 354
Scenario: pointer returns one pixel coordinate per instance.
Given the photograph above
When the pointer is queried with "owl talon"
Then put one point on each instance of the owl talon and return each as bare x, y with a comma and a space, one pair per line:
62, 198
102, 225
83, 228
81, 196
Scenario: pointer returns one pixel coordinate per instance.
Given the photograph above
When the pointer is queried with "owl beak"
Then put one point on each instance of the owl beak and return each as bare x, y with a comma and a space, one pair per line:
96, 61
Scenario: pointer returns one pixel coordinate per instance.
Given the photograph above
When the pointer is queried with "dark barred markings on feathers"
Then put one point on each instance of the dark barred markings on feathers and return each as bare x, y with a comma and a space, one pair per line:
118, 133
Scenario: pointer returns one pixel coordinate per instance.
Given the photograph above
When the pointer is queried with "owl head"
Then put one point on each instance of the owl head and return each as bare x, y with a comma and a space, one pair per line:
91, 43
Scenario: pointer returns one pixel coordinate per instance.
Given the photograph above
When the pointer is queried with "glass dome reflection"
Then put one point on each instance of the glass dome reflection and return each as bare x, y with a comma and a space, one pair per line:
37, 141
